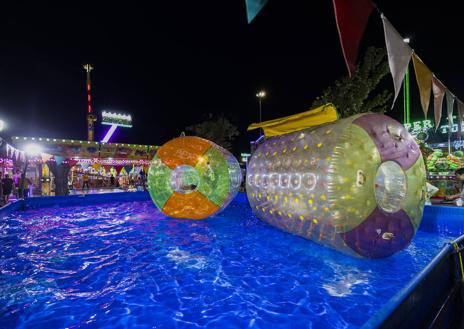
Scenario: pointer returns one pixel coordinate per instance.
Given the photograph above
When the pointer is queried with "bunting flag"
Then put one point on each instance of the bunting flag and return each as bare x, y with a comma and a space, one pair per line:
351, 18
71, 162
128, 168
399, 55
449, 108
253, 8
118, 169
84, 165
438, 94
424, 82
460, 117
96, 166
59, 160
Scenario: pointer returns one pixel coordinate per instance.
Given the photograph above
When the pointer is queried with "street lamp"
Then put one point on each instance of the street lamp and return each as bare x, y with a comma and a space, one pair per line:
261, 94
406, 116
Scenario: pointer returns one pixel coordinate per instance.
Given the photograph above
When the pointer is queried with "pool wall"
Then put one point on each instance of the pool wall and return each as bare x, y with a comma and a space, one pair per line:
73, 200
433, 298
430, 299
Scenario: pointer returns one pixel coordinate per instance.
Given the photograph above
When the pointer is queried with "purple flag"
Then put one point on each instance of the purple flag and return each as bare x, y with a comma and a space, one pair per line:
449, 107
460, 117
438, 94
399, 54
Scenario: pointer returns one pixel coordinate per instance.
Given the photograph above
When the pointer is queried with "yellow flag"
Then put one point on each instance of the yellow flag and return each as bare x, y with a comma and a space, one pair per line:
424, 82
323, 114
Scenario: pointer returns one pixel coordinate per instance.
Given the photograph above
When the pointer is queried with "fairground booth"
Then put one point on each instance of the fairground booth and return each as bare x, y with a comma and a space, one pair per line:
443, 150
62, 166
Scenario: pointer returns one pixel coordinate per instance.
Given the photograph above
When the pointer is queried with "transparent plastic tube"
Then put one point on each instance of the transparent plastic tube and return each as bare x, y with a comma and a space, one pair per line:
356, 185
194, 178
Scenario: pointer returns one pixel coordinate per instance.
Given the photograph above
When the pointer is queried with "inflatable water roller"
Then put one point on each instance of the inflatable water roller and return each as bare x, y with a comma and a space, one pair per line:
357, 185
191, 177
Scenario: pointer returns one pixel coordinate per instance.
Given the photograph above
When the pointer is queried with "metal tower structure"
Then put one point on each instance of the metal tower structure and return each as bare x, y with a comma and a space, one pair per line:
91, 118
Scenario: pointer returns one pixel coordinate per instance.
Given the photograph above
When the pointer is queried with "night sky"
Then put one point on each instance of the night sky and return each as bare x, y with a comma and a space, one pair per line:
170, 62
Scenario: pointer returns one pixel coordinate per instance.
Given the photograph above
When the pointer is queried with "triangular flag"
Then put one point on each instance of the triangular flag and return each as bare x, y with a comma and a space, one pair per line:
399, 55
449, 108
438, 94
351, 18
118, 169
84, 165
59, 160
424, 82
71, 162
460, 117
253, 8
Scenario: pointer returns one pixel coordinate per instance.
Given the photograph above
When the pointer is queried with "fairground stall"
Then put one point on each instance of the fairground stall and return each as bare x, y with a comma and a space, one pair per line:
60, 166
443, 150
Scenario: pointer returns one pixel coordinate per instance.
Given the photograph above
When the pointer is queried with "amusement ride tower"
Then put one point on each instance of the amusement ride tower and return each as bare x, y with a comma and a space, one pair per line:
91, 118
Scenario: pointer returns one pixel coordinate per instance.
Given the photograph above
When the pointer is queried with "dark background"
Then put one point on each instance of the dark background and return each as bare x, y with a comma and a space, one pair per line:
169, 63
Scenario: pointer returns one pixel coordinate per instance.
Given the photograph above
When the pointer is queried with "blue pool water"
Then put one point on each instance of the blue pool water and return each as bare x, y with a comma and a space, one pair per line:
124, 265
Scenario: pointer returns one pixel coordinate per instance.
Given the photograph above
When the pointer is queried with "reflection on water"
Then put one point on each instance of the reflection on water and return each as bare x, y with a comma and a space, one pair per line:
345, 280
127, 266
184, 258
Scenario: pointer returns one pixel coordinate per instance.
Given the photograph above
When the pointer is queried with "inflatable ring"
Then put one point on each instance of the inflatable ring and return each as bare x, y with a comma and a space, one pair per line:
191, 177
357, 185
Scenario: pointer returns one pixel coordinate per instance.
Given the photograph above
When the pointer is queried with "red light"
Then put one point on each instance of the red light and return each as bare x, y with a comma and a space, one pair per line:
88, 86
90, 108
88, 98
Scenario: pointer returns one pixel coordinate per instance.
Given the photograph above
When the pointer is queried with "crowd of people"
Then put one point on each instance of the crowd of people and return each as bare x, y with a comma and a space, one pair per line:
12, 185
126, 182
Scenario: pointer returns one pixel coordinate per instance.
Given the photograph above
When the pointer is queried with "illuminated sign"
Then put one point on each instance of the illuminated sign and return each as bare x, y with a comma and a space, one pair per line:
117, 119
2, 125
423, 126
419, 126
245, 156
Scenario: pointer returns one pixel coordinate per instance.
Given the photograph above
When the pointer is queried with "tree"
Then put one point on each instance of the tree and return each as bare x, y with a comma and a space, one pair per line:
217, 129
352, 95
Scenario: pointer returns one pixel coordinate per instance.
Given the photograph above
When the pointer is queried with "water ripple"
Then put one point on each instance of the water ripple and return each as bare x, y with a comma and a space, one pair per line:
127, 266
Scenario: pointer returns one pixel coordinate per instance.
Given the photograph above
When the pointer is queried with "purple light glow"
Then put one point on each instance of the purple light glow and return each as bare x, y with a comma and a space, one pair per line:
109, 133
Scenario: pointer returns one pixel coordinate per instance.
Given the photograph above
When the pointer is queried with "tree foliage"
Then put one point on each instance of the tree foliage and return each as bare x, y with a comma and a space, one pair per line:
217, 129
357, 94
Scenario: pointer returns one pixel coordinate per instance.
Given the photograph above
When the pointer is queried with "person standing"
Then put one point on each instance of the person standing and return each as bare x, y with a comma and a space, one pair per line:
85, 180
460, 178
143, 178
1, 190
7, 187
16, 178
